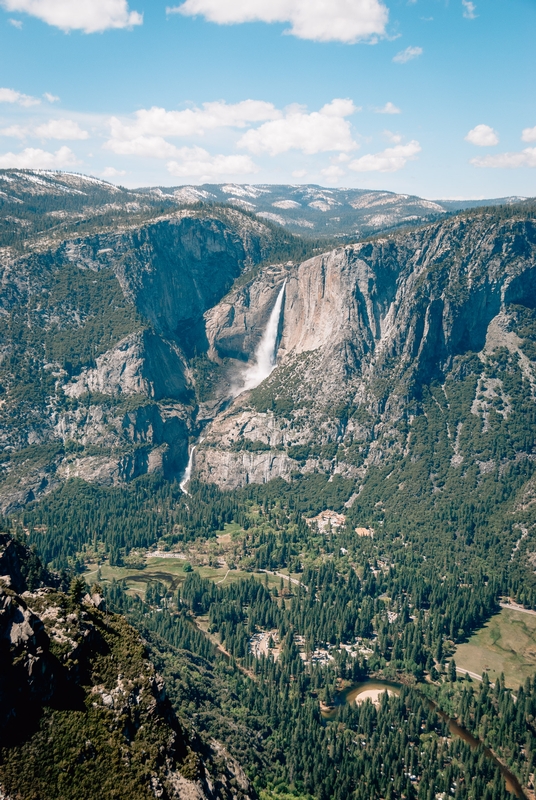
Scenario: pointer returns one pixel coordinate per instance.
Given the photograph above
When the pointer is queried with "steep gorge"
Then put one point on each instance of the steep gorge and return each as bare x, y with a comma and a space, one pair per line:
122, 347
97, 333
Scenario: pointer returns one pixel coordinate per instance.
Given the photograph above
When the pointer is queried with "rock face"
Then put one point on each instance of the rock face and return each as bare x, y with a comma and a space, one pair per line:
121, 346
363, 327
76, 689
141, 364
118, 314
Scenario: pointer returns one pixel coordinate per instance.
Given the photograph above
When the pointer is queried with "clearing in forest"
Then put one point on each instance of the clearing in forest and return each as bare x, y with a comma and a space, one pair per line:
507, 643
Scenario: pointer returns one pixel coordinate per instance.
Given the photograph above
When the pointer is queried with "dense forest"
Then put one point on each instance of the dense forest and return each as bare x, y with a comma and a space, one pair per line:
269, 715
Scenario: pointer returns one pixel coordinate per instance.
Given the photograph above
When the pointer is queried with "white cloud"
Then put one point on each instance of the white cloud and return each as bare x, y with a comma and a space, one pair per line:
196, 163
112, 172
17, 23
90, 16
529, 135
482, 136
469, 9
408, 55
390, 160
30, 158
11, 96
388, 108
299, 173
51, 98
526, 158
193, 121
60, 129
333, 173
318, 132
144, 146
15, 131
320, 20
395, 138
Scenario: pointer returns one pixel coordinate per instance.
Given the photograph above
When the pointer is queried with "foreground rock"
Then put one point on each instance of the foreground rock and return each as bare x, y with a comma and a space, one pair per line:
83, 712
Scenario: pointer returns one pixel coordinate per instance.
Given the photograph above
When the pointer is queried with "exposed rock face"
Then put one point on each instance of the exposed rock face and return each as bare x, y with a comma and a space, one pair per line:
111, 413
142, 364
364, 326
190, 267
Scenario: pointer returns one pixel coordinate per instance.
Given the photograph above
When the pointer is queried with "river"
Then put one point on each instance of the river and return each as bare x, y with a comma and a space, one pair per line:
373, 689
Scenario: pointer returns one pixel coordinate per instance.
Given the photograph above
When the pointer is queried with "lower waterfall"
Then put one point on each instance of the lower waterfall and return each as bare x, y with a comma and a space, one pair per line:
188, 471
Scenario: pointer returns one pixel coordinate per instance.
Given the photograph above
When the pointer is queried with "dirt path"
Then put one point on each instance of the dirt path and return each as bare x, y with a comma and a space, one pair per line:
295, 581
214, 640
514, 607
224, 577
474, 675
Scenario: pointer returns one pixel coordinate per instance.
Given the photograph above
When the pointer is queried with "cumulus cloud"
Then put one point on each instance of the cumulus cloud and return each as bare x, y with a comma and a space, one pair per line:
333, 172
395, 138
11, 96
112, 172
192, 121
346, 21
196, 163
388, 108
89, 16
482, 136
408, 55
32, 158
17, 23
144, 146
51, 98
321, 131
390, 160
469, 9
60, 129
15, 131
529, 135
526, 158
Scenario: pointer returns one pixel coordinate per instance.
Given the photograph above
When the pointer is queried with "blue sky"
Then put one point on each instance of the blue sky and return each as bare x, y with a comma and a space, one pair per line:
428, 97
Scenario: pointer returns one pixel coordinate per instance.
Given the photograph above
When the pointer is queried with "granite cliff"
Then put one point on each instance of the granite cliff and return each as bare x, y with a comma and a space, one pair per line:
97, 334
363, 330
122, 346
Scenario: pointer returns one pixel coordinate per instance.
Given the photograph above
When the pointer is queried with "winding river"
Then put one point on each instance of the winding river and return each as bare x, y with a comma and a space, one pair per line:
373, 689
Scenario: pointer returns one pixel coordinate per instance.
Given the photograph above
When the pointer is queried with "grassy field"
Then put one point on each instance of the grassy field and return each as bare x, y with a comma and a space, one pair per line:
170, 572
507, 643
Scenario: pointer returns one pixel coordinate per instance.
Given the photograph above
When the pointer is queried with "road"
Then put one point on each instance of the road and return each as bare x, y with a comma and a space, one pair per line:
518, 608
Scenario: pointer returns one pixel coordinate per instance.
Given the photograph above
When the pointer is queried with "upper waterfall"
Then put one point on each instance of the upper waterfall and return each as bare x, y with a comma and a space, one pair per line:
265, 354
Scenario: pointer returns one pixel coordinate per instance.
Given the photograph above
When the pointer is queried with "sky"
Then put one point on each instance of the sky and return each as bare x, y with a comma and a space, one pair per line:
428, 97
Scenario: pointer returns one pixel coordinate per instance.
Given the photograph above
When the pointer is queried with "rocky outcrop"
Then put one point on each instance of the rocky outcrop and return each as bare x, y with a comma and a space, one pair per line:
76, 681
142, 364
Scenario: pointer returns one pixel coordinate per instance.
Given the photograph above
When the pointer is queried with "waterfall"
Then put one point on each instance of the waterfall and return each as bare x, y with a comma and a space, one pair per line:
188, 472
265, 361
265, 354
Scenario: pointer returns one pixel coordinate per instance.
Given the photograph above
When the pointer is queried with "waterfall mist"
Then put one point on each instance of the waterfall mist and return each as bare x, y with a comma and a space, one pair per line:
265, 354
